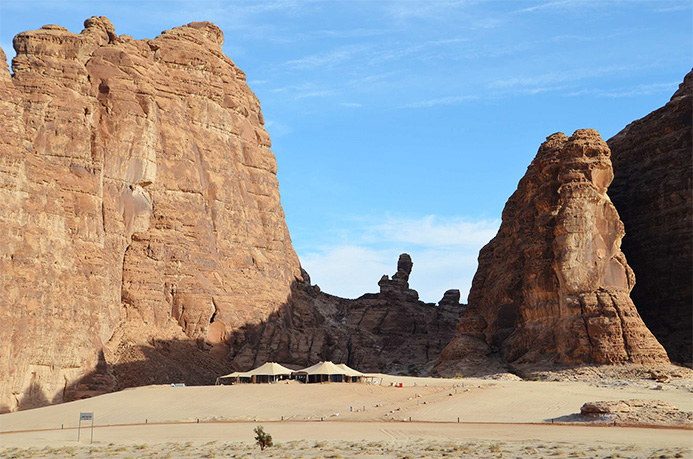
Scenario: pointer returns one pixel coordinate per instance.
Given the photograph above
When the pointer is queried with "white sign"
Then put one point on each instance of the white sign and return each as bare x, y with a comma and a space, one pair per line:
86, 417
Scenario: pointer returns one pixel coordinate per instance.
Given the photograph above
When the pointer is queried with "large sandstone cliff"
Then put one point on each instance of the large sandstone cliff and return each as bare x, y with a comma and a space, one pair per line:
139, 208
553, 285
142, 238
653, 192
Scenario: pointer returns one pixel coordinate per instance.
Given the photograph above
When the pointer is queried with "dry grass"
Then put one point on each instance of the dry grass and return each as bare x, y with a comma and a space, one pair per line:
415, 448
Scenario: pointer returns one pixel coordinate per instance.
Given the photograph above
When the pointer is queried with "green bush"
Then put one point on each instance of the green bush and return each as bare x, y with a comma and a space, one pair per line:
262, 438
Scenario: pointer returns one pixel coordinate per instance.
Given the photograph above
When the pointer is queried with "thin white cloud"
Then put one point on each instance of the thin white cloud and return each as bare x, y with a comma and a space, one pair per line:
677, 6
368, 55
347, 33
589, 38
449, 100
532, 81
243, 9
347, 270
444, 251
417, 9
304, 91
633, 91
444, 48
276, 129
433, 231
591, 5
546, 82
70, 5
364, 80
560, 4
351, 104
307, 94
327, 59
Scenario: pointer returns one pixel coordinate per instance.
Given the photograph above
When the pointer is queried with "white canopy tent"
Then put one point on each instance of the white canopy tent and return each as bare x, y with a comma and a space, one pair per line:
267, 372
351, 374
270, 372
237, 375
321, 372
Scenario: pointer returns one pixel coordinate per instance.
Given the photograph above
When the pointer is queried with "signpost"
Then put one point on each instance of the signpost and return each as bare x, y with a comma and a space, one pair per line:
86, 417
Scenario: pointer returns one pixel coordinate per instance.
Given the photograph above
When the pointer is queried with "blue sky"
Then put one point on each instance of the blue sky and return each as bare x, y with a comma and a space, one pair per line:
404, 126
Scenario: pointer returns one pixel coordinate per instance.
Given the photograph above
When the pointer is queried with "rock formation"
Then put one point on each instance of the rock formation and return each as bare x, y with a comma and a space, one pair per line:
553, 285
653, 192
139, 208
391, 331
633, 413
398, 286
142, 239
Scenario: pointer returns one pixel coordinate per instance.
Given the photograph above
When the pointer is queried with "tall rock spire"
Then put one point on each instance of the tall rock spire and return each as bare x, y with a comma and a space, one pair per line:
553, 285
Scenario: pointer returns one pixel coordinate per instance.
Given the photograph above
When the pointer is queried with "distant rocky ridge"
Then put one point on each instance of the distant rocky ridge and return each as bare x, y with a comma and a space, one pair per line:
391, 331
553, 285
653, 192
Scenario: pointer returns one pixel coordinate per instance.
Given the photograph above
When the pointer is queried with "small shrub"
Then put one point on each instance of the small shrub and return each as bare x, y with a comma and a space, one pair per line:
375, 444
262, 438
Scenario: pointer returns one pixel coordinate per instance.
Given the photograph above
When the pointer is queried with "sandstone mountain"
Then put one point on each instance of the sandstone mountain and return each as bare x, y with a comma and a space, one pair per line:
653, 192
142, 239
139, 204
553, 285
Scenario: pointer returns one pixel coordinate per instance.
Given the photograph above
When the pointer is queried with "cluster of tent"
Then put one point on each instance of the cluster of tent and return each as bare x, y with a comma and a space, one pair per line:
272, 372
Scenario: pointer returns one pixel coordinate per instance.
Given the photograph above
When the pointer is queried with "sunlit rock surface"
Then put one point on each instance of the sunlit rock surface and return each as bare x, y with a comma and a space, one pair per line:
553, 285
139, 206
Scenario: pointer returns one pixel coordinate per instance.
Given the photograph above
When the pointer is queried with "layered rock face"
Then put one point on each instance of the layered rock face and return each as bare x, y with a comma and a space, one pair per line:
139, 209
653, 192
391, 331
553, 285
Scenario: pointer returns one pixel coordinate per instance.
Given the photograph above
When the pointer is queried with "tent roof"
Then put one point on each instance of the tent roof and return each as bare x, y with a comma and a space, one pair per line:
323, 368
271, 369
237, 374
349, 371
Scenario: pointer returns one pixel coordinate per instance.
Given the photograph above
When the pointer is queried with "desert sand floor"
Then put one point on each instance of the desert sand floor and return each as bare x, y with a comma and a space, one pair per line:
496, 418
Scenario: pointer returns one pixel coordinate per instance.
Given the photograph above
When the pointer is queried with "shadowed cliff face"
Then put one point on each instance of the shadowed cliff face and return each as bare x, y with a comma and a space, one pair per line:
653, 192
391, 331
139, 201
384, 332
553, 285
